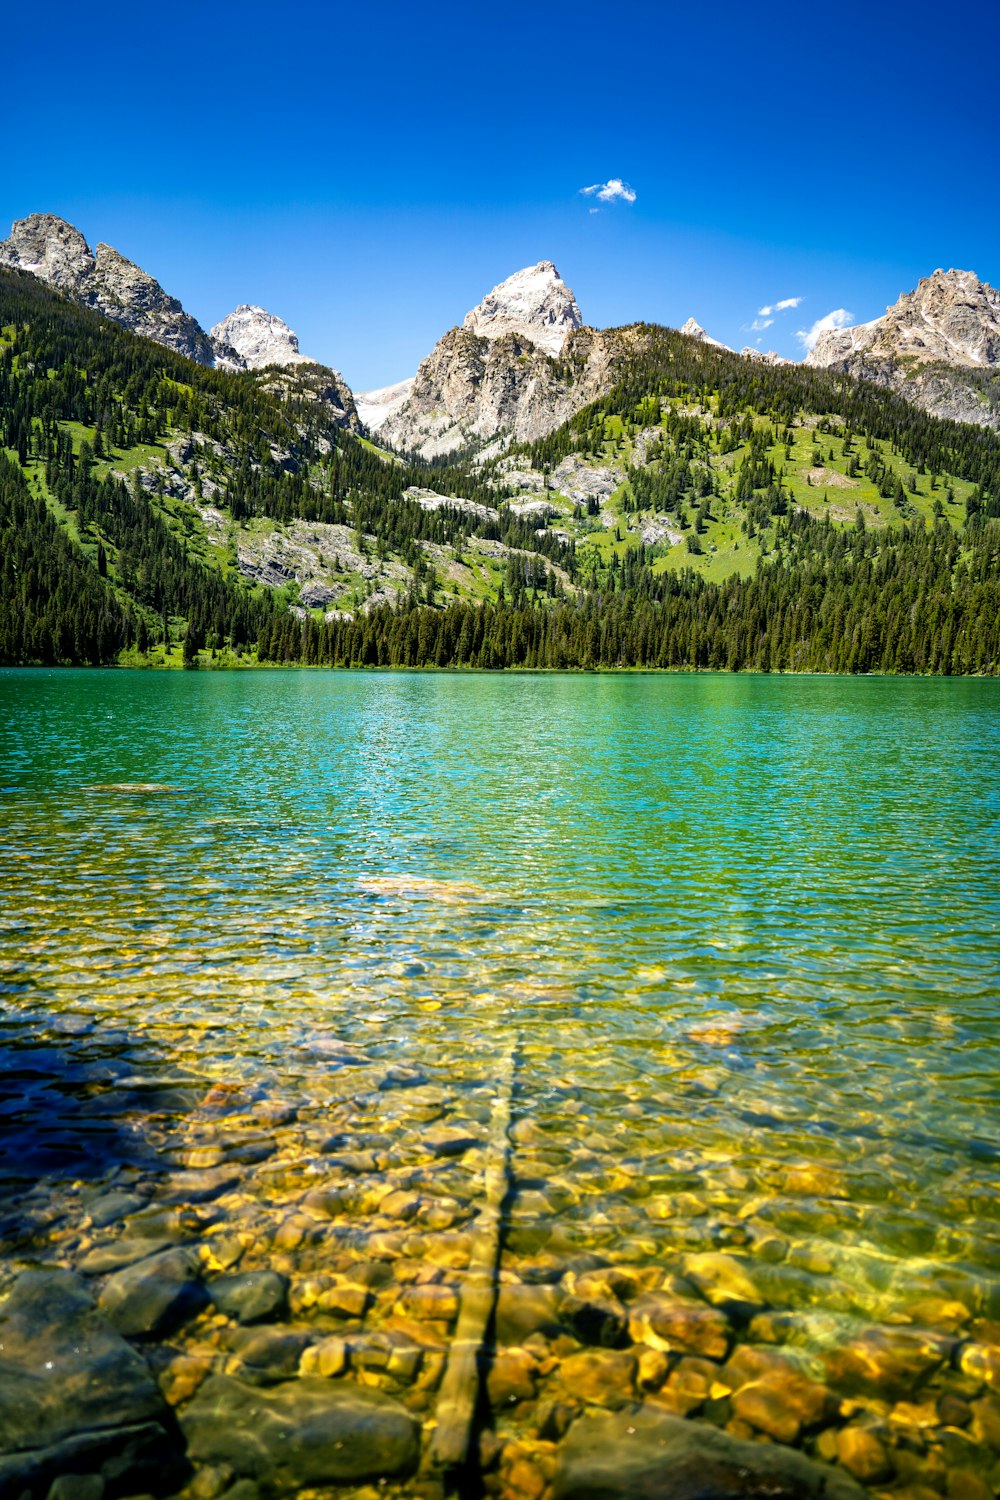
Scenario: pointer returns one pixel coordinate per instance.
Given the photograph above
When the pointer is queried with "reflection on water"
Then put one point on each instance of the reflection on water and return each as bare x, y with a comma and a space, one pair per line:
265, 937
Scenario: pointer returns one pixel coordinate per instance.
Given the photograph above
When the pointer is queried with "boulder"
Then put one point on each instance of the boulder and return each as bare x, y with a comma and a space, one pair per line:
673, 1325
75, 1398
148, 1299
307, 1432
523, 1310
646, 1455
253, 1297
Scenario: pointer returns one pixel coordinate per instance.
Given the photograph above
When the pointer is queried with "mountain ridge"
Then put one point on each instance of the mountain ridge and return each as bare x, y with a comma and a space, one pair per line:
938, 345
522, 361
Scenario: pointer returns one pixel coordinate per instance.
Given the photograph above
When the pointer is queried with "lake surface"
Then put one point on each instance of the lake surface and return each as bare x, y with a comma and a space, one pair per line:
269, 939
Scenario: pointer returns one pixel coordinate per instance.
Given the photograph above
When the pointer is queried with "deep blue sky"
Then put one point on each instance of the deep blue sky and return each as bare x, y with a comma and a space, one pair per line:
369, 173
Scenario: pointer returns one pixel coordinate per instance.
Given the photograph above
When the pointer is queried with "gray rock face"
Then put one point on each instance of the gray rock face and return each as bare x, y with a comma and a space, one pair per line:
306, 1432
647, 1455
75, 1398
154, 1295
57, 253
472, 389
497, 376
258, 338
938, 345
376, 408
50, 249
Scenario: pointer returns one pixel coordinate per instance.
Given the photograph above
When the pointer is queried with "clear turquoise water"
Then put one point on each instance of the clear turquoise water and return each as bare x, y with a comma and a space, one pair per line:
743, 930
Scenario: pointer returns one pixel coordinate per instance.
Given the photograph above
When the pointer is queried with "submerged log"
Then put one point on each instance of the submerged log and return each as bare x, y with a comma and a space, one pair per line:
459, 1394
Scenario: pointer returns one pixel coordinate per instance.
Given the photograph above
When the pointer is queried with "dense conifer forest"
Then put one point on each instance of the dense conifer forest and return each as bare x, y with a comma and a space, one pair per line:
728, 543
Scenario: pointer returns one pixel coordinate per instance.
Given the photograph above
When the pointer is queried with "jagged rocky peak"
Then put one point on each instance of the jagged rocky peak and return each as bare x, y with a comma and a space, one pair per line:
951, 318
258, 337
51, 249
535, 303
57, 253
939, 346
694, 330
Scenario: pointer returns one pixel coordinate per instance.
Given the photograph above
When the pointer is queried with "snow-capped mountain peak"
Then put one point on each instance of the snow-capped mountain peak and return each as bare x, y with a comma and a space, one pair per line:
258, 337
535, 303
694, 330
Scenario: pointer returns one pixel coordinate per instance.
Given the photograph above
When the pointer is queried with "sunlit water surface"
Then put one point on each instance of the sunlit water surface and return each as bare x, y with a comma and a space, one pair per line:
742, 933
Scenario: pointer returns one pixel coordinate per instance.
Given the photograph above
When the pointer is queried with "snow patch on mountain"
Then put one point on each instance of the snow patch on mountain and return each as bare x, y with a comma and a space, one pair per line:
376, 408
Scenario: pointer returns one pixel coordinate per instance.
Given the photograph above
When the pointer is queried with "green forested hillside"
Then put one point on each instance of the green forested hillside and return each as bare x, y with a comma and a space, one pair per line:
712, 511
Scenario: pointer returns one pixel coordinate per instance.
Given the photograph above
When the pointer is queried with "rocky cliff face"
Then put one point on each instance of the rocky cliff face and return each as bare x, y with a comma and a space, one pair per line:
258, 337
520, 364
471, 390
939, 346
57, 253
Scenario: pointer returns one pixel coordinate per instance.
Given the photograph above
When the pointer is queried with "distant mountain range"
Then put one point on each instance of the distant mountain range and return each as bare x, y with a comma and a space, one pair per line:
522, 361
630, 496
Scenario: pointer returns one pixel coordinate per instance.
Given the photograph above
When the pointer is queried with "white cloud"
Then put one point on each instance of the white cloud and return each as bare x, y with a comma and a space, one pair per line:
614, 190
776, 307
839, 318
760, 323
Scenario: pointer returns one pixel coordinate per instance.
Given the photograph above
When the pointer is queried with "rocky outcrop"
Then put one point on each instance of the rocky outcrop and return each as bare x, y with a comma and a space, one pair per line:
766, 357
939, 346
497, 376
58, 254
472, 389
315, 385
535, 304
258, 338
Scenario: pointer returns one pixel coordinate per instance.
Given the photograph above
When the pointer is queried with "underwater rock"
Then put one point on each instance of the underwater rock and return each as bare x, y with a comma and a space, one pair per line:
725, 1281
268, 1355
305, 1432
595, 1320
511, 1377
104, 1259
646, 1455
75, 1398
522, 1310
886, 1361
328, 1358
689, 1327
109, 1207
153, 1296
861, 1454
600, 1377
250, 1296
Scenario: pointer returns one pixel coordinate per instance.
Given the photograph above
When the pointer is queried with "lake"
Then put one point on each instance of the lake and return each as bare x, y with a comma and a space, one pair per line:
270, 940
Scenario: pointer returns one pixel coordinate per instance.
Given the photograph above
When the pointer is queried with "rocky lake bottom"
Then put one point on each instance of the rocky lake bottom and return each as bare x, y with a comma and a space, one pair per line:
696, 976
